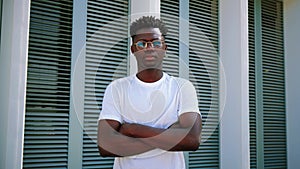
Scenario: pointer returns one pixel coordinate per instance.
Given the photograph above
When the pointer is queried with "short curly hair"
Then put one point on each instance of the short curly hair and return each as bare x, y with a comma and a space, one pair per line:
147, 22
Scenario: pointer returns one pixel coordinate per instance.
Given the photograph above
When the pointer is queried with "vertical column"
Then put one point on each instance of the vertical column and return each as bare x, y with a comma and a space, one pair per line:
184, 48
142, 8
184, 39
13, 71
77, 84
234, 81
292, 60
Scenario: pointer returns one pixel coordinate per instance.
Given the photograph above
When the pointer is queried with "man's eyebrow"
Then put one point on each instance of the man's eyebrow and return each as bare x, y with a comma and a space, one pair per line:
158, 38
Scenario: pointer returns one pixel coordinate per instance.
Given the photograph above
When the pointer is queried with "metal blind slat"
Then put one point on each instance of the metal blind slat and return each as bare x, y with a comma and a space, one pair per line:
106, 60
273, 85
273, 90
170, 15
48, 85
203, 64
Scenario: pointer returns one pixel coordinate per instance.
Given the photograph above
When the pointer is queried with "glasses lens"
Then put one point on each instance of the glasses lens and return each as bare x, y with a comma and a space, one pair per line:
154, 44
157, 44
141, 44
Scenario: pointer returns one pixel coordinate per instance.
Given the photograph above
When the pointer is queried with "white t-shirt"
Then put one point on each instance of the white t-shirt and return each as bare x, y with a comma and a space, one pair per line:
157, 104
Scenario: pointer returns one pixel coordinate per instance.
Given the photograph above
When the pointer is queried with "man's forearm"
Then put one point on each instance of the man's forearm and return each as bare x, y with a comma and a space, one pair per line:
119, 145
172, 139
113, 143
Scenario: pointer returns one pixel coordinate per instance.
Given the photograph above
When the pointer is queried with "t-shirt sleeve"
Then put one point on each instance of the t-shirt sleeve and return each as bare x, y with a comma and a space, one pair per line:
188, 99
110, 109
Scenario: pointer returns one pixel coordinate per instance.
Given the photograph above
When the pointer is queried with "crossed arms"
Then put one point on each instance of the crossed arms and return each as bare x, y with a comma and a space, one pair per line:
118, 140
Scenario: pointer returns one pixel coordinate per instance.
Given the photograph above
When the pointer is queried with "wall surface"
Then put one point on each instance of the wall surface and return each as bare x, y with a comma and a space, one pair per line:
292, 61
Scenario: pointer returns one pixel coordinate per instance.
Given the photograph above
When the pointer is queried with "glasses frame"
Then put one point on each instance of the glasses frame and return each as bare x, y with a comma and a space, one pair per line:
147, 42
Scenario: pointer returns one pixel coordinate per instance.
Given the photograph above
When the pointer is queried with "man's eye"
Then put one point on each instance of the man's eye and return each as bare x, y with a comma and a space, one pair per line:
140, 44
157, 44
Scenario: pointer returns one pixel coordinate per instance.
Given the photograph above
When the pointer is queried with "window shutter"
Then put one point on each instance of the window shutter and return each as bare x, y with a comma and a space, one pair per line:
203, 64
170, 15
252, 92
273, 84
106, 59
48, 85
271, 70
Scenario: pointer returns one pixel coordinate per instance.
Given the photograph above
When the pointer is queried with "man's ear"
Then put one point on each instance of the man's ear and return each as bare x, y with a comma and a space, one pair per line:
132, 48
166, 46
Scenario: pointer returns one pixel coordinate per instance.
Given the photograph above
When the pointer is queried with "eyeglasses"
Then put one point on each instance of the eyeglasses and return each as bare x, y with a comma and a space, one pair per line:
140, 45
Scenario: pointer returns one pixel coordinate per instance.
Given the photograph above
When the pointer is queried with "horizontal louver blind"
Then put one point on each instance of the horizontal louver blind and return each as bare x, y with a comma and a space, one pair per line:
170, 15
273, 85
48, 85
252, 95
203, 64
106, 59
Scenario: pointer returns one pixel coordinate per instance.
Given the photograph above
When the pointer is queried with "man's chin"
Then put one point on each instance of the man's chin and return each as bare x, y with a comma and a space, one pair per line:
149, 68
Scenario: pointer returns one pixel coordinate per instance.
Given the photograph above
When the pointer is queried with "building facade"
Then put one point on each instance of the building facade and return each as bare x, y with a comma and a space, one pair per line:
57, 57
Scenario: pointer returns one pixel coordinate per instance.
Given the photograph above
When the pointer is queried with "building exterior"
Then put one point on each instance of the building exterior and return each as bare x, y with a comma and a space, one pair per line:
57, 57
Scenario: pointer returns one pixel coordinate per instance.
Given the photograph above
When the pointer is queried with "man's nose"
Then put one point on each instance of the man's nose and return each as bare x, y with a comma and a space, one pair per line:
149, 45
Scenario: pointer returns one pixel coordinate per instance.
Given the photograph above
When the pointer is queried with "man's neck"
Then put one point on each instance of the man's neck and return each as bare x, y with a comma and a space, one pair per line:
150, 75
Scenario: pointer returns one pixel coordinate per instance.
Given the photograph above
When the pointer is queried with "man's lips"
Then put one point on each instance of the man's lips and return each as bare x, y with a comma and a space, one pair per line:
149, 57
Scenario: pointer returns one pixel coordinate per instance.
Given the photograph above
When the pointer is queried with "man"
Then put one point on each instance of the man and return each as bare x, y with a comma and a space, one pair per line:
148, 119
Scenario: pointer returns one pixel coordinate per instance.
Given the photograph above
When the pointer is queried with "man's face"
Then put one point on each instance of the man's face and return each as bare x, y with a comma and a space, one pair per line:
149, 48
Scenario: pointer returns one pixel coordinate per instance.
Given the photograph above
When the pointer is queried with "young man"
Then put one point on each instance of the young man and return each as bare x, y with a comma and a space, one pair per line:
148, 119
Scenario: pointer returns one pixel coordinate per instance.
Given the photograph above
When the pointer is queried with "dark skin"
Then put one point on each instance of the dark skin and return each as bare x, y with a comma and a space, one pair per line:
118, 140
